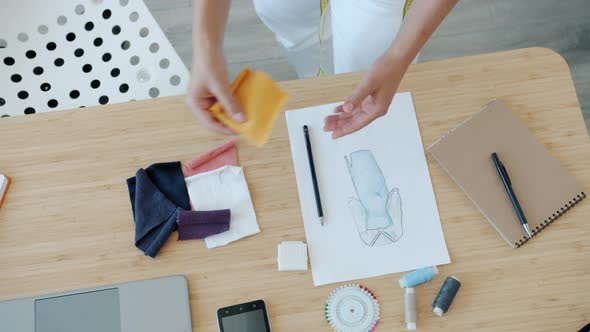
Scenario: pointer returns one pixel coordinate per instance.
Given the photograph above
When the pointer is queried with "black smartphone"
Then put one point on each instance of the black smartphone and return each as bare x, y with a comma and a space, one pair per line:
245, 317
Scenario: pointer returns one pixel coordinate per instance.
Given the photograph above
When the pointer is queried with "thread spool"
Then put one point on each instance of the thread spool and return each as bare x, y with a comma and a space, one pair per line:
418, 276
445, 296
410, 300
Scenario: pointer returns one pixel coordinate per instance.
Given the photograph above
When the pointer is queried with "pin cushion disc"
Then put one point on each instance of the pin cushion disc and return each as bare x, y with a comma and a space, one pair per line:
352, 308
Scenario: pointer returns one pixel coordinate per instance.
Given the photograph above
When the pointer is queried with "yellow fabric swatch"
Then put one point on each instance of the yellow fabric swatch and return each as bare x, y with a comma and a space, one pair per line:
261, 100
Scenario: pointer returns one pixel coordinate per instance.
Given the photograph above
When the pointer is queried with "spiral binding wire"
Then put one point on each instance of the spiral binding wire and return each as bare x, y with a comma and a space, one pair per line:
553, 217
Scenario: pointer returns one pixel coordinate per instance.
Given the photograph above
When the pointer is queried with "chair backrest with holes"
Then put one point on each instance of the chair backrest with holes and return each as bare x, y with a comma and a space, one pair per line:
57, 55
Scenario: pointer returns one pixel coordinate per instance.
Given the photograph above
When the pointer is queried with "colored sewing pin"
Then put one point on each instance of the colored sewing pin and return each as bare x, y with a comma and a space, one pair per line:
418, 276
445, 296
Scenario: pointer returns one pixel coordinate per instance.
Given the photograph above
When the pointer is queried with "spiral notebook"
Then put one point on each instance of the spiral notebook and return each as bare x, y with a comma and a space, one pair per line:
544, 189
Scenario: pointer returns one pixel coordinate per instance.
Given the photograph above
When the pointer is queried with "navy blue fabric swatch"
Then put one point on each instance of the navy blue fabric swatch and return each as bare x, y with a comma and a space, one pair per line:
155, 212
169, 179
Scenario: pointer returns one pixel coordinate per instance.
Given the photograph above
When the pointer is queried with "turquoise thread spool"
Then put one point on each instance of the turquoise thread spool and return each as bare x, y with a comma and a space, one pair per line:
418, 277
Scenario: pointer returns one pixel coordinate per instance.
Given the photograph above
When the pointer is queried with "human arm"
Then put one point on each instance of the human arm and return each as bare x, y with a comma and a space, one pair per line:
209, 78
373, 95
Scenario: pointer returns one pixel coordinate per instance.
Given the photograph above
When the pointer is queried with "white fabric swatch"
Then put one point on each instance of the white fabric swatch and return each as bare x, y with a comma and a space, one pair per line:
292, 256
224, 188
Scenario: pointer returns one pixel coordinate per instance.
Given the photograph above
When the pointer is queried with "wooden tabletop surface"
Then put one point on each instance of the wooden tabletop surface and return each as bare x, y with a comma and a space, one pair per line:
67, 223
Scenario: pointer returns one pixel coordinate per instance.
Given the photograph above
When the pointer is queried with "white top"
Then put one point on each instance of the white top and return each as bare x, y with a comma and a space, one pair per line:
224, 188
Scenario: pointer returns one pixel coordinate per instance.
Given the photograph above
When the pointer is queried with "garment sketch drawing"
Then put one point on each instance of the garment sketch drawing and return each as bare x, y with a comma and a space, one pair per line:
376, 210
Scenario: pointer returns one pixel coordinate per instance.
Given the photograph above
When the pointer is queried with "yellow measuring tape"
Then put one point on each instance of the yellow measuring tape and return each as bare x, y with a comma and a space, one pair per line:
407, 6
323, 7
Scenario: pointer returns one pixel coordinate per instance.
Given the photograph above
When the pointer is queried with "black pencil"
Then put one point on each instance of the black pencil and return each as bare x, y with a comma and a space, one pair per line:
316, 189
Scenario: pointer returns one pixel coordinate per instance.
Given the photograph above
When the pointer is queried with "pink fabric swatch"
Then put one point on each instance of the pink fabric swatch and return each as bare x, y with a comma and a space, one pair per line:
225, 154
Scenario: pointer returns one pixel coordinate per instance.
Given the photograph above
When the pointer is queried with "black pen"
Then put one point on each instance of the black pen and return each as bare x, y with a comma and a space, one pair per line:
314, 179
508, 186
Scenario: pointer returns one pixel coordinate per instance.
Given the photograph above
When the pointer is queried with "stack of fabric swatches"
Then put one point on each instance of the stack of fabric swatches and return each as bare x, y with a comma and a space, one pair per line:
207, 198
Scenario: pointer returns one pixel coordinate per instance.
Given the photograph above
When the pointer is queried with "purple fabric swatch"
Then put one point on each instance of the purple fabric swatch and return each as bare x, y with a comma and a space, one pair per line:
201, 224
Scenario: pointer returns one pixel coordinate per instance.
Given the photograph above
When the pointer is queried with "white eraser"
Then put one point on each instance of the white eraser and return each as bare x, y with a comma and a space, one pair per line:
292, 256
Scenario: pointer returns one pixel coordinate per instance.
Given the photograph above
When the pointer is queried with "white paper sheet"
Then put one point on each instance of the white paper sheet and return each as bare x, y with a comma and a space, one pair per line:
371, 229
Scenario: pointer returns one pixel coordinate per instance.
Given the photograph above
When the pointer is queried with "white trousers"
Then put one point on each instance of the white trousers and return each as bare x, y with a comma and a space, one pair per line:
356, 32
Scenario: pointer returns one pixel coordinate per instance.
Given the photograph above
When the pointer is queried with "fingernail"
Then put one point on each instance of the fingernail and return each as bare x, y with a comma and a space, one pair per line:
348, 107
238, 117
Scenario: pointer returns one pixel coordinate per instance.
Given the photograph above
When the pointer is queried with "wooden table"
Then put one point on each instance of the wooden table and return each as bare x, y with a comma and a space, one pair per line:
67, 222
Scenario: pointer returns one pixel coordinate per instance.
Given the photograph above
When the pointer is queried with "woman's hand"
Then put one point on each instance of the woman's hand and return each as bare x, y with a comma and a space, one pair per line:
370, 100
209, 84
372, 97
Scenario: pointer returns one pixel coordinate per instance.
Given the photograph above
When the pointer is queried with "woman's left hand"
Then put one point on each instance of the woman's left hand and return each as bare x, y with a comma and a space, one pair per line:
370, 100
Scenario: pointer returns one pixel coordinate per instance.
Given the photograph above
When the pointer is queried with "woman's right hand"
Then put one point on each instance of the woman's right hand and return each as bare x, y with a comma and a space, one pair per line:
209, 84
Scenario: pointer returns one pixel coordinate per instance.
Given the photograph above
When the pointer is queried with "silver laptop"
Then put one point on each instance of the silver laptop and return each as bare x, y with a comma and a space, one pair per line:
142, 306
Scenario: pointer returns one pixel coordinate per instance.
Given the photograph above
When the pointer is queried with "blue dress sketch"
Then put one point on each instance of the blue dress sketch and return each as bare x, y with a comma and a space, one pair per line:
376, 211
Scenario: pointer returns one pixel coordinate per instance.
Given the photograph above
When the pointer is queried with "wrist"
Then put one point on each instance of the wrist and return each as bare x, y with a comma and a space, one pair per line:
393, 64
204, 53
399, 56
203, 43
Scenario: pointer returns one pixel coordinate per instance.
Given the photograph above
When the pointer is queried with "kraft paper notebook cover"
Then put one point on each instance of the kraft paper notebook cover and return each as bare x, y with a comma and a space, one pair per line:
544, 189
